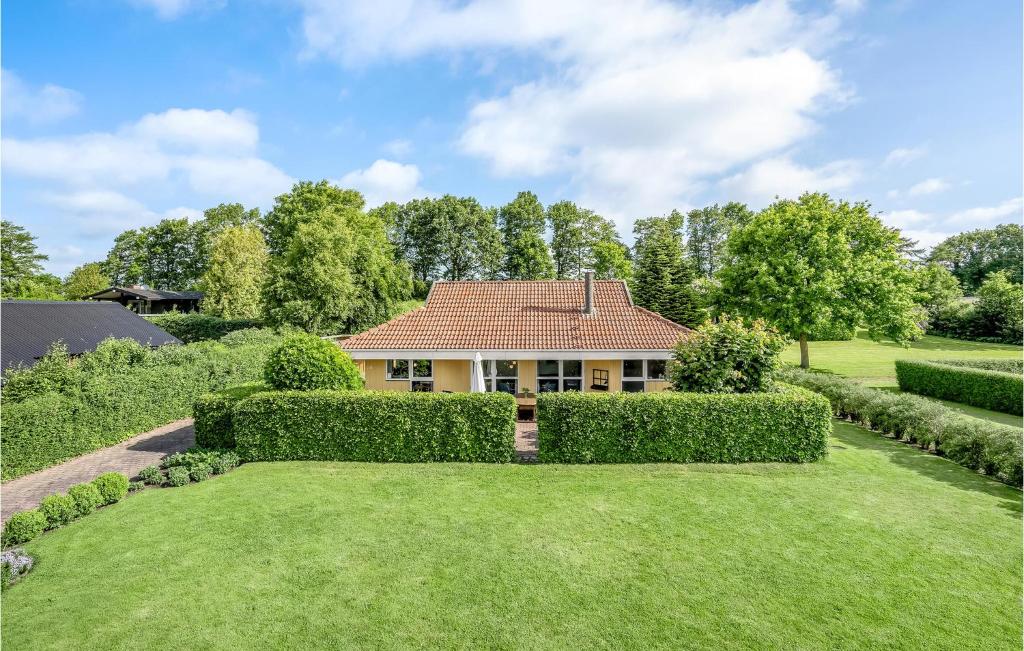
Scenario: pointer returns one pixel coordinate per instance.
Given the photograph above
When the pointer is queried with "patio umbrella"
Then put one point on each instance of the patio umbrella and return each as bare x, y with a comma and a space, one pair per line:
476, 382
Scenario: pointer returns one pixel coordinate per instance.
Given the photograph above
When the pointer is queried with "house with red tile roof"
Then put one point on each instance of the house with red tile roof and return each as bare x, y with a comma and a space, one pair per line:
520, 337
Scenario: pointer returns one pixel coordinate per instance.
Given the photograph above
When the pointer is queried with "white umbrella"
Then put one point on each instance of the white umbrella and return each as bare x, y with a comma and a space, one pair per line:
476, 382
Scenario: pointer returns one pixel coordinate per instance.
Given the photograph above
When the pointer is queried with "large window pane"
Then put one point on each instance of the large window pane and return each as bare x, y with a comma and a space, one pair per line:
506, 368
655, 369
633, 386
572, 368
506, 386
547, 368
572, 385
422, 385
398, 369
422, 368
547, 385
633, 368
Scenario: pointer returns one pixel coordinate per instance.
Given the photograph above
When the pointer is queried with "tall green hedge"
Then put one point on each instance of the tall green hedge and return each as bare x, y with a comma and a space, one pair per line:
375, 426
212, 413
193, 326
978, 444
995, 364
785, 425
980, 387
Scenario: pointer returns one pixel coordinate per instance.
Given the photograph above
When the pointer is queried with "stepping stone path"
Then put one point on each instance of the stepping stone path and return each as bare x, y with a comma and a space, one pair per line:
526, 441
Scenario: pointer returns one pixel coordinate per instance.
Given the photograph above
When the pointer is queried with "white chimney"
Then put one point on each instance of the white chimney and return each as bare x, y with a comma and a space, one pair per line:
588, 293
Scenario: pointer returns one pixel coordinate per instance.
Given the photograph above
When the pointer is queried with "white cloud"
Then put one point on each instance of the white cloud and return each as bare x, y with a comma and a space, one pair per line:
198, 129
384, 181
906, 218
642, 101
989, 215
928, 186
782, 177
48, 103
171, 9
103, 213
902, 156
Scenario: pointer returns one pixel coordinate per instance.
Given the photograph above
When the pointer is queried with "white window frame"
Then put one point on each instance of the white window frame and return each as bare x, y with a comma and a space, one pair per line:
645, 373
491, 374
561, 377
412, 377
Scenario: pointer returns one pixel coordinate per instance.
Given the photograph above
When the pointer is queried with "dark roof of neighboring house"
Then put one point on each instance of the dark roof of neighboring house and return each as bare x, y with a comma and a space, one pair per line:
522, 315
29, 328
147, 293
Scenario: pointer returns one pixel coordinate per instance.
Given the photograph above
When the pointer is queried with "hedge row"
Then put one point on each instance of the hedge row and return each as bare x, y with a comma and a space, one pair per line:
375, 426
1004, 365
212, 413
193, 326
58, 510
972, 442
980, 387
790, 424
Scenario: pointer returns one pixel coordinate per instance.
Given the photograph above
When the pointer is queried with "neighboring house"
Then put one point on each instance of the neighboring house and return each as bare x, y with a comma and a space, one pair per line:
29, 328
144, 300
514, 336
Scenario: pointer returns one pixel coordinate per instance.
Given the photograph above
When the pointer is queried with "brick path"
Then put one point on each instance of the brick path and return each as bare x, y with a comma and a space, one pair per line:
128, 457
526, 440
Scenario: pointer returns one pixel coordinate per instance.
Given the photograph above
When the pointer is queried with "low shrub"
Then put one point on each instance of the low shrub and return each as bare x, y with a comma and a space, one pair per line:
966, 383
14, 564
52, 373
59, 510
212, 414
726, 357
136, 486
200, 471
251, 337
306, 362
178, 476
23, 526
152, 475
1004, 365
194, 326
113, 486
224, 462
87, 498
375, 426
978, 444
789, 424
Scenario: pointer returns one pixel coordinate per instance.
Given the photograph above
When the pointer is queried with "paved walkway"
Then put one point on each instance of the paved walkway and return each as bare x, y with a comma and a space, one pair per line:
526, 441
128, 457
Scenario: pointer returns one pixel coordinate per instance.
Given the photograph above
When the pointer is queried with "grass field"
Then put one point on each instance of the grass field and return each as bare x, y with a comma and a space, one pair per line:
874, 361
879, 546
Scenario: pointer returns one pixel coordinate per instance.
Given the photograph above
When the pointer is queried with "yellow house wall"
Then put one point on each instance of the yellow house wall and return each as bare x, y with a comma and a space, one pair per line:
614, 368
451, 375
375, 375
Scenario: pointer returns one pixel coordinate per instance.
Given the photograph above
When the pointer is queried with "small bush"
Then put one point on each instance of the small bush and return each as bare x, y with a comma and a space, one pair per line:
200, 471
87, 498
376, 426
980, 387
152, 475
212, 413
136, 486
113, 486
59, 510
193, 326
178, 476
306, 362
115, 356
727, 357
23, 527
224, 462
785, 425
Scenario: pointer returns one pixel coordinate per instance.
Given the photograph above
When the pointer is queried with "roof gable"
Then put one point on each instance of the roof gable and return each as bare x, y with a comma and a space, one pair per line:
523, 315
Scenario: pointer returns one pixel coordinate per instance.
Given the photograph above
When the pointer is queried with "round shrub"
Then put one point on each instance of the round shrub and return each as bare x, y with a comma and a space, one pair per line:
113, 486
152, 475
307, 362
87, 498
224, 462
59, 510
200, 471
177, 476
136, 486
23, 527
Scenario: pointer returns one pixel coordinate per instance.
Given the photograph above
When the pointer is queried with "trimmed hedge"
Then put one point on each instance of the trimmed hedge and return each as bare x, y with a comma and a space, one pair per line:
22, 527
1004, 365
789, 424
978, 444
193, 326
212, 413
113, 486
964, 382
375, 426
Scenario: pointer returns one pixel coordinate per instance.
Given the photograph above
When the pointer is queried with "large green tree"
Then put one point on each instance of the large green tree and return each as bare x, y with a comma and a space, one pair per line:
305, 200
522, 228
84, 280
706, 233
583, 240
973, 255
20, 259
662, 277
814, 262
237, 270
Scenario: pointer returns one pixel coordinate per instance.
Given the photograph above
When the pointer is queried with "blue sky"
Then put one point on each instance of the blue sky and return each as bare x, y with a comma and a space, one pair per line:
117, 114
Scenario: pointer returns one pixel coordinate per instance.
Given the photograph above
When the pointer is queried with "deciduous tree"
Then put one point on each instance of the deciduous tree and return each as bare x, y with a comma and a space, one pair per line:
237, 270
706, 232
84, 280
973, 255
522, 227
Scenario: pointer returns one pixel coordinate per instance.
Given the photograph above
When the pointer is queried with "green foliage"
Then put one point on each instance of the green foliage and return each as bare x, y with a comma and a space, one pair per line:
136, 486
87, 498
727, 357
663, 279
978, 444
376, 426
41, 287
250, 337
178, 476
224, 462
997, 316
113, 486
787, 425
306, 362
152, 475
115, 401
298, 206
83, 281
53, 372
200, 471
974, 255
937, 288
804, 264
21, 268
583, 240
235, 274
522, 230
832, 332
706, 233
193, 326
212, 413
966, 383
114, 356
23, 526
1004, 365
59, 510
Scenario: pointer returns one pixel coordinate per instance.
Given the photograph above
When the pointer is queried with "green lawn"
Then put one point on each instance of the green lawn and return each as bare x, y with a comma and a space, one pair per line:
874, 361
880, 546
